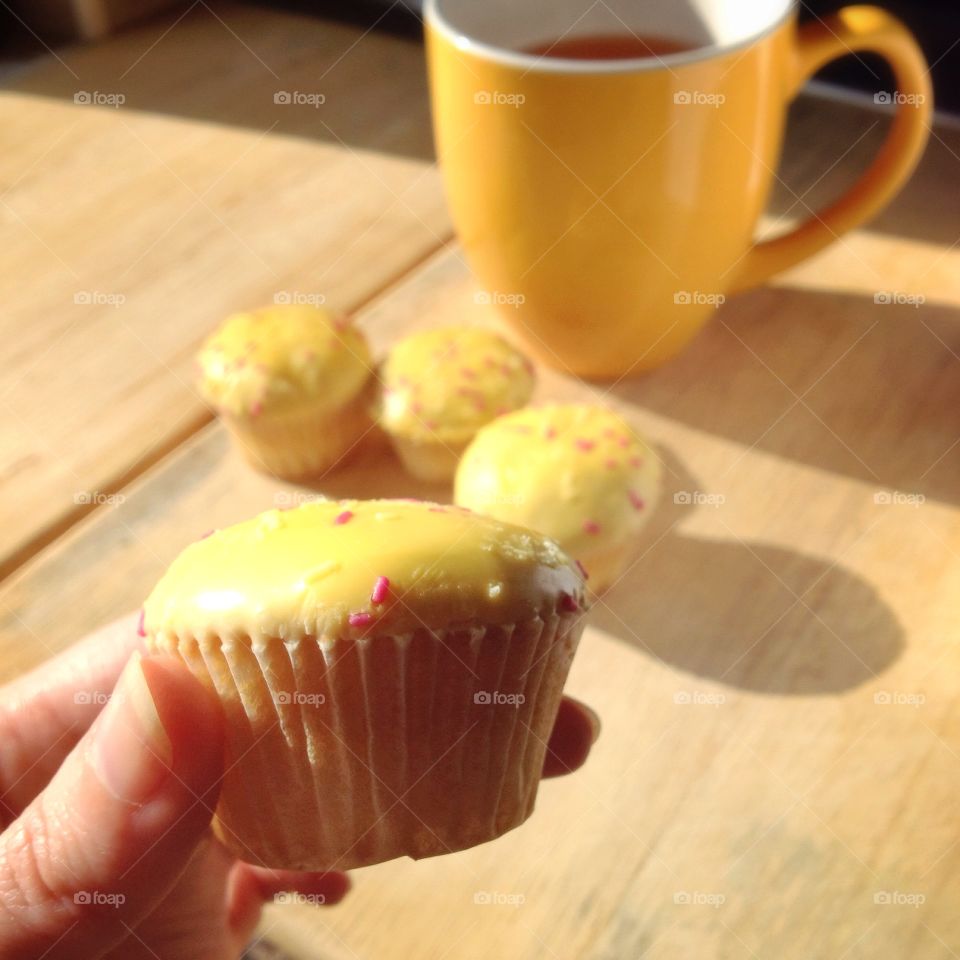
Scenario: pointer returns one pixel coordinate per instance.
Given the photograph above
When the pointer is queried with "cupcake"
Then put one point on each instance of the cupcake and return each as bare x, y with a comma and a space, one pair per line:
577, 473
441, 386
389, 671
292, 384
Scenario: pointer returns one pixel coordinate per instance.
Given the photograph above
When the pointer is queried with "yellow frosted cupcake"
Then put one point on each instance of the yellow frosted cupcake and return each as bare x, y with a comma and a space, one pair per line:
292, 384
441, 386
389, 670
576, 472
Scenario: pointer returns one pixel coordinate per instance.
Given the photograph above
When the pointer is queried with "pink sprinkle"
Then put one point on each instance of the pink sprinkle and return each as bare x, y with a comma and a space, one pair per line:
506, 369
480, 404
591, 527
624, 442
502, 410
528, 365
437, 509
256, 409
204, 536
550, 433
582, 569
241, 363
141, 632
583, 444
491, 362
609, 432
468, 373
381, 587
636, 500
611, 464
360, 619
416, 408
636, 461
568, 603
431, 424
344, 517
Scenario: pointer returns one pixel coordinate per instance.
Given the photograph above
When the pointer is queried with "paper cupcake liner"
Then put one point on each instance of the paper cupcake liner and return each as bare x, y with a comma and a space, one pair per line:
428, 460
351, 751
303, 444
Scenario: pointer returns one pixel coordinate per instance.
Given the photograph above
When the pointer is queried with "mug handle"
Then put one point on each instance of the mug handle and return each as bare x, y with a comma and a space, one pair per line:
850, 30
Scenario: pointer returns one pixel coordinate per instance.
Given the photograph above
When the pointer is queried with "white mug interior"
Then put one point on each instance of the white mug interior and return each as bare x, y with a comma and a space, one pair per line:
503, 29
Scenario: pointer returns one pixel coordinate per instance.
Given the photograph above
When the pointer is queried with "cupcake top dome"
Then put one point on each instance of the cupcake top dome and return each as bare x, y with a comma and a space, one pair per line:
363, 566
446, 383
576, 472
267, 361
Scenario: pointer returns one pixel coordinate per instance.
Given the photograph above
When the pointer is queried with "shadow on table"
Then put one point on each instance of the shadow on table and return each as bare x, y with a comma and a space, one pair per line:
262, 69
834, 380
742, 613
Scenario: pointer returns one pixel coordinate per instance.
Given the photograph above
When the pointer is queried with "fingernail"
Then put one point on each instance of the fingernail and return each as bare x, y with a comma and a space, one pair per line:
595, 724
132, 752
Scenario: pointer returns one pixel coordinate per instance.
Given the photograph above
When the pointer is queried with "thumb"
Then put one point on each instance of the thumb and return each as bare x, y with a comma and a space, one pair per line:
100, 847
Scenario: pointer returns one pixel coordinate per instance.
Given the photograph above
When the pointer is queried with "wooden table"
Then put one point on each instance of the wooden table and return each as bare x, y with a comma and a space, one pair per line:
780, 764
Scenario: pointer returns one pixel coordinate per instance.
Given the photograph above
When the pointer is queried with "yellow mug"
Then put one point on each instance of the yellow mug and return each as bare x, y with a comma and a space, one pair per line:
612, 203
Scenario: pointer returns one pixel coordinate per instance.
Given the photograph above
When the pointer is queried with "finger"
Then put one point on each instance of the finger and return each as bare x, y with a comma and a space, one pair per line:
100, 847
250, 887
44, 713
574, 732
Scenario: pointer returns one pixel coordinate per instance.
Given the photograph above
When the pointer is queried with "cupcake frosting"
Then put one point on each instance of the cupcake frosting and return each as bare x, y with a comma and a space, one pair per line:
330, 566
576, 472
268, 360
447, 383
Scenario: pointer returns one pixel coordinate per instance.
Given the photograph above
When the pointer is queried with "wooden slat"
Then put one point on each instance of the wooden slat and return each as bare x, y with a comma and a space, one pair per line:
129, 231
750, 762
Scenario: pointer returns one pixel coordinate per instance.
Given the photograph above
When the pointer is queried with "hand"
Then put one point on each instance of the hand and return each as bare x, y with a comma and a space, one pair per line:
107, 849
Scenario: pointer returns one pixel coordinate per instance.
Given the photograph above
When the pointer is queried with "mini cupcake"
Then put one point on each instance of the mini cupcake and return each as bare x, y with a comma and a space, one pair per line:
441, 386
293, 386
577, 473
389, 670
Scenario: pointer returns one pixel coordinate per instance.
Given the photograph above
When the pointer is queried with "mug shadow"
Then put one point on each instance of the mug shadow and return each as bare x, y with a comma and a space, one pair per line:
745, 614
834, 380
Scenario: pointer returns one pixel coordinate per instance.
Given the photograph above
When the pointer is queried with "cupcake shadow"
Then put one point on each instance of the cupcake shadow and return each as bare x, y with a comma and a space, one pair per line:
745, 614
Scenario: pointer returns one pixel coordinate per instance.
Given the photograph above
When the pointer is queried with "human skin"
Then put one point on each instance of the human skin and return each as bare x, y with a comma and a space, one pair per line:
106, 849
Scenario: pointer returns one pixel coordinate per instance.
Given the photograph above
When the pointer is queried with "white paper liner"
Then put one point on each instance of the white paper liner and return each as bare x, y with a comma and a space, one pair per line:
351, 751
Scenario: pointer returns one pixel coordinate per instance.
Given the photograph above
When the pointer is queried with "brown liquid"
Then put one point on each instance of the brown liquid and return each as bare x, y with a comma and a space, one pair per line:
611, 46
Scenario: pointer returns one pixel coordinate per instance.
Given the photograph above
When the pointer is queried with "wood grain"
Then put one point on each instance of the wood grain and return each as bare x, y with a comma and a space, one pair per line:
130, 230
776, 672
